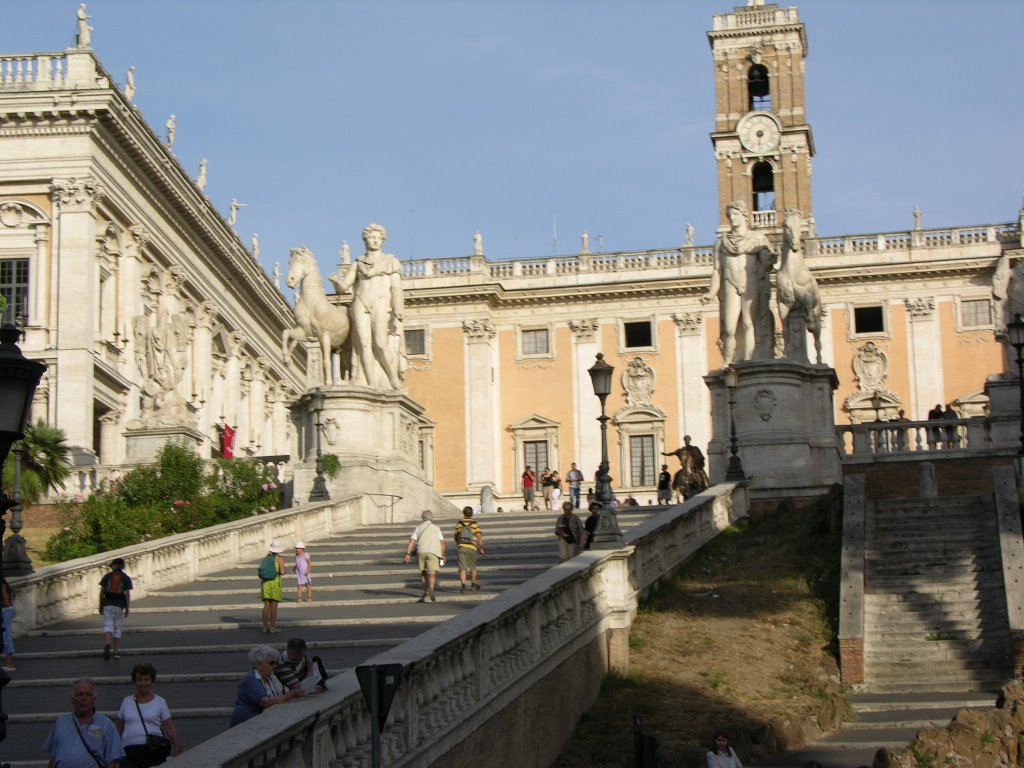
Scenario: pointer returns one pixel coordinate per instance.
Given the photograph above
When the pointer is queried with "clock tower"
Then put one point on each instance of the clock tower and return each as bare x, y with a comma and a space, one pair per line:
762, 140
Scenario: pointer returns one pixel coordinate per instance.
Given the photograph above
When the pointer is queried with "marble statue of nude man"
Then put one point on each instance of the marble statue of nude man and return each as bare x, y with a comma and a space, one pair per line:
741, 282
376, 313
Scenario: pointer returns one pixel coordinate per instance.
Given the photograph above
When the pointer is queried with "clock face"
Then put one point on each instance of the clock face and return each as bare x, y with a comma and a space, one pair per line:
759, 133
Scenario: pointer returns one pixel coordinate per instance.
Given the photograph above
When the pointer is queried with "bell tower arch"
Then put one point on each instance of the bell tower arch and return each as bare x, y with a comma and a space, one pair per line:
762, 139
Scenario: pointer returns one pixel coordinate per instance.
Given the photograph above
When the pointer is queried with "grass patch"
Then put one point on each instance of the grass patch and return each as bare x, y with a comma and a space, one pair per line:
743, 634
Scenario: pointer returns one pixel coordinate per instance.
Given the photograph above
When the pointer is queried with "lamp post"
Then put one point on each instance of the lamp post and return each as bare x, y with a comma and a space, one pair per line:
608, 534
19, 377
734, 471
1015, 332
16, 561
319, 492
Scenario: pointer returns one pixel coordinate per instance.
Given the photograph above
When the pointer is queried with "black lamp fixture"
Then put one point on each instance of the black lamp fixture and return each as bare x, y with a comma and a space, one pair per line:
734, 471
608, 534
1015, 333
319, 492
19, 378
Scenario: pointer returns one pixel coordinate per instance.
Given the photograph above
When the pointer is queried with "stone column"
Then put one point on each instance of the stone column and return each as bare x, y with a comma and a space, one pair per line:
233, 379
39, 306
75, 208
258, 405
482, 406
925, 351
587, 450
111, 444
205, 314
244, 406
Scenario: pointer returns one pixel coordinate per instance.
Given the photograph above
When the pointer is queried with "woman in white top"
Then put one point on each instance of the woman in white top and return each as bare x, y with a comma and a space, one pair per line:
721, 755
155, 714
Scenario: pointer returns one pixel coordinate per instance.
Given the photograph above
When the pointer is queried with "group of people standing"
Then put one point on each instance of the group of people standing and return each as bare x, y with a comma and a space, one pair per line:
550, 485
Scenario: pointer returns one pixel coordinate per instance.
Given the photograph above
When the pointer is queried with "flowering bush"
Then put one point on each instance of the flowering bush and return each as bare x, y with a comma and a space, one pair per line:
175, 495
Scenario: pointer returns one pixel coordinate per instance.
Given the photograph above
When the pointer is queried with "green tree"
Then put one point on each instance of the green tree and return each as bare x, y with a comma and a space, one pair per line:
44, 462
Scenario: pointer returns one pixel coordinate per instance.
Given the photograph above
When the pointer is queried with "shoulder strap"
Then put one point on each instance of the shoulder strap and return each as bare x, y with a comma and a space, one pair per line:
85, 744
143, 720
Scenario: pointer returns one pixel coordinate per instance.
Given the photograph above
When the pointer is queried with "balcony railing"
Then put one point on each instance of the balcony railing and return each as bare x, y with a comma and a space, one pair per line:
873, 440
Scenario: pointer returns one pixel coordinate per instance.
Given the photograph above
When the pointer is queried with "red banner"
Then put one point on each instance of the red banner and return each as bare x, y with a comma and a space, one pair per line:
227, 442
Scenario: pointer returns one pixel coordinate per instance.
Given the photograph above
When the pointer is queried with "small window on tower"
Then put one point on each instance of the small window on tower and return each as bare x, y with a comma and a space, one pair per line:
758, 90
763, 182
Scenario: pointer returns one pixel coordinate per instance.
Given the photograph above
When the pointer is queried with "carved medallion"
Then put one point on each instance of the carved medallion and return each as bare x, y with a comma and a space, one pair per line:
765, 403
584, 331
871, 367
638, 382
12, 215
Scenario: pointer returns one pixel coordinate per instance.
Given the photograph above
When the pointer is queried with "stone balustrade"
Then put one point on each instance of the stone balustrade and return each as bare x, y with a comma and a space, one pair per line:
542, 646
68, 590
874, 440
702, 256
34, 70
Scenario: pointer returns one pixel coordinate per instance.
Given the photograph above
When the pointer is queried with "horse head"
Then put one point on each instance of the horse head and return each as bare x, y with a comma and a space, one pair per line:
302, 263
792, 231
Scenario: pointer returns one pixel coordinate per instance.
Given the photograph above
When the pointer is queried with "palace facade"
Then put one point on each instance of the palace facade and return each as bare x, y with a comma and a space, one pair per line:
143, 301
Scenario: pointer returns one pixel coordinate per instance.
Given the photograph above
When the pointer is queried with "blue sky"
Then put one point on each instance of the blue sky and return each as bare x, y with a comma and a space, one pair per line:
531, 119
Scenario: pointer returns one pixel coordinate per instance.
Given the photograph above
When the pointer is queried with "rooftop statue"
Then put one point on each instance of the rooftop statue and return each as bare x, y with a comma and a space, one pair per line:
378, 348
201, 178
83, 36
172, 127
129, 84
478, 244
741, 281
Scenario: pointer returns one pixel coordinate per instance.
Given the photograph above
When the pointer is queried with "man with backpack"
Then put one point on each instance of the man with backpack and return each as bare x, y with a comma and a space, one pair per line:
427, 542
115, 600
469, 540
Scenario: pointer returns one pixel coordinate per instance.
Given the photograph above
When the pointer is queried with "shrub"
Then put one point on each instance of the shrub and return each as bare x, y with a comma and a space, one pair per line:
175, 495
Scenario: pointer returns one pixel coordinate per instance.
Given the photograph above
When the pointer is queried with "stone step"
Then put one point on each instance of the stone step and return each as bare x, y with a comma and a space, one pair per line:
935, 571
992, 643
979, 684
919, 598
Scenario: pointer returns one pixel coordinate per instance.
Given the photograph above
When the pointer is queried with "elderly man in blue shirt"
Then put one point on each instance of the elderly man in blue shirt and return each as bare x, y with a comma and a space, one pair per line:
85, 738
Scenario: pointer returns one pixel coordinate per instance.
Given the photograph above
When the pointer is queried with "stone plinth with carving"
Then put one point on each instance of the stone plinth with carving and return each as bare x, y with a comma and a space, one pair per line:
784, 427
384, 443
142, 445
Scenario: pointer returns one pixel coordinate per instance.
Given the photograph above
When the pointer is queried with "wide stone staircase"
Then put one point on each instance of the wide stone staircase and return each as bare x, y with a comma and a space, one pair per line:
936, 634
197, 635
935, 613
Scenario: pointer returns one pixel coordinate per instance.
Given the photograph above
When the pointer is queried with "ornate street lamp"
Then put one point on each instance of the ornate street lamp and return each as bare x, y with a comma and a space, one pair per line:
1015, 333
608, 535
19, 377
319, 492
734, 471
16, 561
876, 403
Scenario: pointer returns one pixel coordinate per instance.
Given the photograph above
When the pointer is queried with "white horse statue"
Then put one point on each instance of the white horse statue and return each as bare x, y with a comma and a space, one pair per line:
317, 318
796, 286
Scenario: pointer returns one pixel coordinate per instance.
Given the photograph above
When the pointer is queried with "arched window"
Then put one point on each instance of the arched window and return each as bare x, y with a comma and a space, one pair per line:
759, 94
763, 185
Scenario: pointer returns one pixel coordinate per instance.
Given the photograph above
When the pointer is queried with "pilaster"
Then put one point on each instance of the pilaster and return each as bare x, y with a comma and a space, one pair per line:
586, 333
693, 398
482, 407
75, 206
924, 347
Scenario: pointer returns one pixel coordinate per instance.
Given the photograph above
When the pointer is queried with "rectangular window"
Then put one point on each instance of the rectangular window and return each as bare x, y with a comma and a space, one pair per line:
535, 342
535, 455
641, 460
637, 334
975, 312
868, 320
416, 341
14, 288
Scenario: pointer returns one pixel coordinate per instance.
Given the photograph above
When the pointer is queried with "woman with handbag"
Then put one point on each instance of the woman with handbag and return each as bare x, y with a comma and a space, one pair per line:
144, 722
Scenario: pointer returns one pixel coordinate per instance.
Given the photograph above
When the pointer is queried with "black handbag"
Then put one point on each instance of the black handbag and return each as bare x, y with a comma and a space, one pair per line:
157, 745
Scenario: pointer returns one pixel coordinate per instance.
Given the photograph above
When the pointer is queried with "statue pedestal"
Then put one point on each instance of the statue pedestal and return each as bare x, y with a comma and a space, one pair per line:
785, 428
384, 444
1003, 392
143, 444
